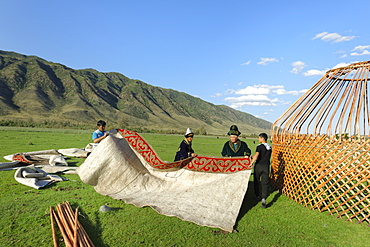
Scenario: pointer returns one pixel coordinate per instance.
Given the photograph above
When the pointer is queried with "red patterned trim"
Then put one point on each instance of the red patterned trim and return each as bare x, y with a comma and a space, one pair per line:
199, 163
21, 158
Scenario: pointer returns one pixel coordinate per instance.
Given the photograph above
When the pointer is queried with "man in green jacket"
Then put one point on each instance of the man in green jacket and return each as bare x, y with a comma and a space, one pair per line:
235, 147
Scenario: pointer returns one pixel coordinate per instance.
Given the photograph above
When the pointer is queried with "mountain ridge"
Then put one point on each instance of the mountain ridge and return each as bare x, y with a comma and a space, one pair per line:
31, 87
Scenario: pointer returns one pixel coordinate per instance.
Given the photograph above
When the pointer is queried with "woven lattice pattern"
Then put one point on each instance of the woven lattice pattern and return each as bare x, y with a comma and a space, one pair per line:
321, 146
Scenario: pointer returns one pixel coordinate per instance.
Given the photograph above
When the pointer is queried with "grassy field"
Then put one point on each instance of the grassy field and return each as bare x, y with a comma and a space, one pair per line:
25, 217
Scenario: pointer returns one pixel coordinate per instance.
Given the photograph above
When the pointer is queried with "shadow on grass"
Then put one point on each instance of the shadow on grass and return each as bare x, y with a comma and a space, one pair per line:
97, 230
249, 202
93, 231
73, 164
276, 197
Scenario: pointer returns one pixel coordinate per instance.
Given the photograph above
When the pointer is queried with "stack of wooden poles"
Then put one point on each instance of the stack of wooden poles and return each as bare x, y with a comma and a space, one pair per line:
73, 233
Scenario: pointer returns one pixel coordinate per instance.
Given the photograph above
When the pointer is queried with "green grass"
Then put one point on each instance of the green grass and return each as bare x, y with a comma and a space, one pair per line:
25, 220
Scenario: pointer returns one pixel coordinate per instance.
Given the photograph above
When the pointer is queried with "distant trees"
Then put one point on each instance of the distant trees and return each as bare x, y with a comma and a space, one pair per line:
45, 124
200, 131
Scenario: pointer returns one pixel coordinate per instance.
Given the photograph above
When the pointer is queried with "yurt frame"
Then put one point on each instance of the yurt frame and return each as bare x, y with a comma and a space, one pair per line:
321, 145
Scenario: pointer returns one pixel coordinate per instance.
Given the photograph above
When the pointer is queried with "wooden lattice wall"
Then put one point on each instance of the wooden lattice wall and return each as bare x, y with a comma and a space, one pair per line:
321, 145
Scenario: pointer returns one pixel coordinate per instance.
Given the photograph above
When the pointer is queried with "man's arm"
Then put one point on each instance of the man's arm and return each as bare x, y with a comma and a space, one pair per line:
99, 139
255, 157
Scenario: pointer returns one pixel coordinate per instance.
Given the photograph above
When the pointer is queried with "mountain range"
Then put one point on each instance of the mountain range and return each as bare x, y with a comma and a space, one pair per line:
33, 89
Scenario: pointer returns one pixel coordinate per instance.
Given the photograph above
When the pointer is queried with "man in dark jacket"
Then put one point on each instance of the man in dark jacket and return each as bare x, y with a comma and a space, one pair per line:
235, 147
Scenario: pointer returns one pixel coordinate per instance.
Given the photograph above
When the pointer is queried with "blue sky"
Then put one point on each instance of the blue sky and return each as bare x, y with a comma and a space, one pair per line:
255, 56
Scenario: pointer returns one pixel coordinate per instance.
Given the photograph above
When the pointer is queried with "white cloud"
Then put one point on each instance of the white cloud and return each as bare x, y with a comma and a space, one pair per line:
339, 52
282, 91
266, 89
229, 91
256, 89
250, 97
298, 66
333, 37
320, 35
251, 100
247, 63
217, 95
340, 65
364, 52
266, 60
361, 47
258, 95
268, 112
240, 83
314, 72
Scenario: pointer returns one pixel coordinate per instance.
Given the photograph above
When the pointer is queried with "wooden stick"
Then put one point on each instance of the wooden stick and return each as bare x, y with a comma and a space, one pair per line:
65, 223
75, 229
73, 233
53, 228
65, 237
85, 239
70, 218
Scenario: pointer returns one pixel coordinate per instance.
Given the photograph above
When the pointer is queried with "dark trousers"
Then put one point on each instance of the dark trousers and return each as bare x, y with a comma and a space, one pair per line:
261, 177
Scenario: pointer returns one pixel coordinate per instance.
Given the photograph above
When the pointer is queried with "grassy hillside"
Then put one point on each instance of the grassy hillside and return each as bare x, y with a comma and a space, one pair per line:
35, 90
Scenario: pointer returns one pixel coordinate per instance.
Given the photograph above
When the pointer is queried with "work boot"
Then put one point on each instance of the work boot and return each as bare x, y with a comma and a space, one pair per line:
263, 203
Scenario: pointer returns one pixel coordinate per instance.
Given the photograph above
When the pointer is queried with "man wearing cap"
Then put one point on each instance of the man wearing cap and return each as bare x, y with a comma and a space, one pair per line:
235, 147
185, 150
